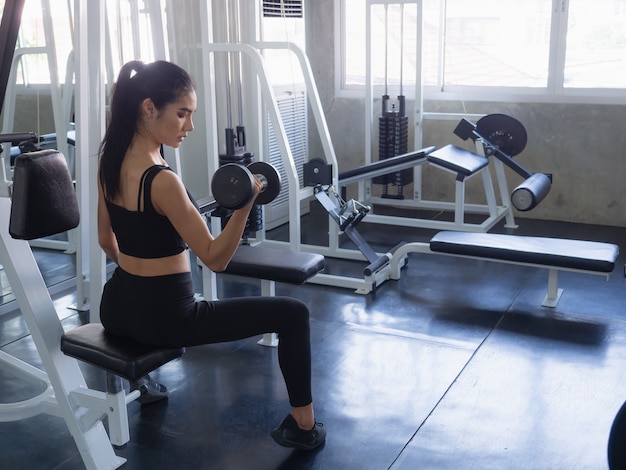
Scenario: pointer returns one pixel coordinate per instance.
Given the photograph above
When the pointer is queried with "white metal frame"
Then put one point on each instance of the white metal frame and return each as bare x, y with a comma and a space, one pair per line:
297, 196
60, 96
458, 206
65, 393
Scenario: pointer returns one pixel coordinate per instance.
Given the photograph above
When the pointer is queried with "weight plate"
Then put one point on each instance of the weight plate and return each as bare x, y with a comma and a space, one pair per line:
504, 132
616, 449
273, 181
232, 186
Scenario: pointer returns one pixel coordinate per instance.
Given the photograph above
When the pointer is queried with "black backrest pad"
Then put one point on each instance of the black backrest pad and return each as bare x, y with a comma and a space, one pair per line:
43, 200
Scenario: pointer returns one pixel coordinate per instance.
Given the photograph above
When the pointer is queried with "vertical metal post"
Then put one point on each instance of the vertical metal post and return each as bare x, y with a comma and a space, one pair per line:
41, 318
9, 28
90, 99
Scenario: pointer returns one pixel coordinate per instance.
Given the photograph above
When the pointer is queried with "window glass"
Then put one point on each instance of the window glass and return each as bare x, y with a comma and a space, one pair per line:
393, 30
129, 32
596, 44
496, 43
492, 44
282, 65
129, 36
487, 43
33, 66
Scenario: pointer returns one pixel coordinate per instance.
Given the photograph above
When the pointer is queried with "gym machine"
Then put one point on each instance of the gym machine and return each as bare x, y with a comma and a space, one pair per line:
421, 211
504, 137
393, 123
496, 136
64, 392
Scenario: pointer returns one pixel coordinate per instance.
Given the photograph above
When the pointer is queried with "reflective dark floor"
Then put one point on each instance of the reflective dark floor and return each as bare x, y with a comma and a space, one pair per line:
454, 366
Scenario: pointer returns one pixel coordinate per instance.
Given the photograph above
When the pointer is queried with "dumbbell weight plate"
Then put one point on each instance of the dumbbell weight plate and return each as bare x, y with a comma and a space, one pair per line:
232, 185
272, 176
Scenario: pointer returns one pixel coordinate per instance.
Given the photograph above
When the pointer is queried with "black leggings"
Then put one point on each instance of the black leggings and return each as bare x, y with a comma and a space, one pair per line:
162, 311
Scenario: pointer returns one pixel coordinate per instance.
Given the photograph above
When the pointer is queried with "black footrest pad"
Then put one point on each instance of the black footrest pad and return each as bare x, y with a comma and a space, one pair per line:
557, 252
457, 159
122, 356
274, 264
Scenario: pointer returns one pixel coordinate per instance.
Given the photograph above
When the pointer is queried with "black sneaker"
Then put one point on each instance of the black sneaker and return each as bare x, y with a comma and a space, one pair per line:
289, 434
151, 391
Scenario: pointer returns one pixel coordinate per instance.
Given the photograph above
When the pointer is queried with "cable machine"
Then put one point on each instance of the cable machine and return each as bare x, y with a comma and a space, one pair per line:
492, 211
235, 137
393, 123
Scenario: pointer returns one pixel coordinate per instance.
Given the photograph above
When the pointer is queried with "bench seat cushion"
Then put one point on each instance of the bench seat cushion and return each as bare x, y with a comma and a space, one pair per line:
275, 264
557, 252
458, 160
122, 356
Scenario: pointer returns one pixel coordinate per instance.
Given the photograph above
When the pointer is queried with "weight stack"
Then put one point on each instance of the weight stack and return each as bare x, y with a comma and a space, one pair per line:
393, 135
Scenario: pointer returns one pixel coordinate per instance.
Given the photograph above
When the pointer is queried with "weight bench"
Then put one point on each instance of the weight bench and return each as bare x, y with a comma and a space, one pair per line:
41, 201
119, 357
465, 164
270, 265
554, 254
457, 160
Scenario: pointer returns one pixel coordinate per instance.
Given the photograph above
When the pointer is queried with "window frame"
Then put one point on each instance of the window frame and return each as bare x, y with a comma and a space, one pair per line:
553, 92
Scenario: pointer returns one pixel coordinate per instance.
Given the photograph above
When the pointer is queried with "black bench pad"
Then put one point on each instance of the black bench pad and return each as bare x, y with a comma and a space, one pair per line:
564, 253
386, 163
122, 356
275, 264
457, 159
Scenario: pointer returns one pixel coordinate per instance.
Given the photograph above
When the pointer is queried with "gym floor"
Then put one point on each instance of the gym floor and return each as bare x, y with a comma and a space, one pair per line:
456, 365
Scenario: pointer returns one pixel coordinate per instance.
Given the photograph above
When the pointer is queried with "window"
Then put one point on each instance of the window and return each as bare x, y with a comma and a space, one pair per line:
129, 36
34, 67
596, 44
488, 48
282, 66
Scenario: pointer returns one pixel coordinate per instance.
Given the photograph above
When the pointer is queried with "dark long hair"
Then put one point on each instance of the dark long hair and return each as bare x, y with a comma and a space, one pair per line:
164, 83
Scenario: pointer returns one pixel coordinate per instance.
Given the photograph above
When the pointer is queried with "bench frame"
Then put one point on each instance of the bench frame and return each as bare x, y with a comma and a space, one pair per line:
553, 293
492, 211
65, 394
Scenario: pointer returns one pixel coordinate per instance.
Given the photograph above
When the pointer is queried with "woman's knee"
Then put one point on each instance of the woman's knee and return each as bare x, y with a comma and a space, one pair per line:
301, 310
296, 313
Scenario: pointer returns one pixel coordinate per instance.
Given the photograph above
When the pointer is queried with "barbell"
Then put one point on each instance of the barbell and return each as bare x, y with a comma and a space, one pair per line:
233, 184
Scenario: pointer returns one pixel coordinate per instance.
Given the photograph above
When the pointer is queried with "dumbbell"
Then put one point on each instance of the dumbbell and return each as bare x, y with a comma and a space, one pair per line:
233, 185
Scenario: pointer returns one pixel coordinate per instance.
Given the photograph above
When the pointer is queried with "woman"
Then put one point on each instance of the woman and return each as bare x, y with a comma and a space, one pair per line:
146, 220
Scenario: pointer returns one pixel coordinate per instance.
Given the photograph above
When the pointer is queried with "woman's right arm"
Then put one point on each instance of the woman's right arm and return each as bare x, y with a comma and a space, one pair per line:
170, 197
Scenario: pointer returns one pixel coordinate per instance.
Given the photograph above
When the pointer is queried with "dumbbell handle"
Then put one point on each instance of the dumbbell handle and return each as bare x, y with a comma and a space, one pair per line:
263, 181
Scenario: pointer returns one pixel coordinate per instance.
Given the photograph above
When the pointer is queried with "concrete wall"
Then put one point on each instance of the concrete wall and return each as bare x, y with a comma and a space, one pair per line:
582, 145
33, 113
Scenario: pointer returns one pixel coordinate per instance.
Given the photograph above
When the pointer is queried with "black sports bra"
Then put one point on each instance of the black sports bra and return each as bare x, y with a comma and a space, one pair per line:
145, 233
